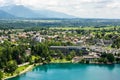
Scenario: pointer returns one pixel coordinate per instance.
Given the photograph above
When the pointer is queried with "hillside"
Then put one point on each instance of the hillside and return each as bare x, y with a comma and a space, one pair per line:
4, 15
25, 12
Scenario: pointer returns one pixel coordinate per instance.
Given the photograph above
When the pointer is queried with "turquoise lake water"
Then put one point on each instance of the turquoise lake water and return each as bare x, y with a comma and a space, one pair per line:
72, 72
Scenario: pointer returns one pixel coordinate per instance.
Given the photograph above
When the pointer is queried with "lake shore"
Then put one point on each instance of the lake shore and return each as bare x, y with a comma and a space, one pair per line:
32, 66
76, 71
37, 64
24, 71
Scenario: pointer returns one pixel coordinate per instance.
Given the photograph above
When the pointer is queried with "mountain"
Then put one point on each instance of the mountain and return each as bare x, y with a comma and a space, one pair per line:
4, 15
53, 14
25, 12
19, 11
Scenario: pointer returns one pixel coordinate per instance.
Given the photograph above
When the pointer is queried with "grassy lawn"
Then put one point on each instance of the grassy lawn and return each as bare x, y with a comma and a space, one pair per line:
82, 28
59, 61
65, 28
17, 71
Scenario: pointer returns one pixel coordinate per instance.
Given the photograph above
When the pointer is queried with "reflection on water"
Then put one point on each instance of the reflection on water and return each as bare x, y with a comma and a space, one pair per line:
67, 66
70, 66
108, 66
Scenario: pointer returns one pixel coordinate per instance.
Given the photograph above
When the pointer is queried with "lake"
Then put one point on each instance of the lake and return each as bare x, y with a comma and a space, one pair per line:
71, 71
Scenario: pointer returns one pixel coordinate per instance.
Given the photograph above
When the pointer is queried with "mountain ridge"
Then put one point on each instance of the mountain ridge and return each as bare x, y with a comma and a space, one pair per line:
25, 12
5, 15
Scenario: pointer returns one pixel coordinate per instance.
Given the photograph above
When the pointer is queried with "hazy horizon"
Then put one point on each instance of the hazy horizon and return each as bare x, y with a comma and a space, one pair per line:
80, 8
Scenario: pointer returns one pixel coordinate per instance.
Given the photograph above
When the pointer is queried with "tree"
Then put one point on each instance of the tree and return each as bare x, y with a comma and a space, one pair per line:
110, 58
87, 61
82, 61
118, 60
60, 54
103, 60
68, 57
71, 55
107, 58
1, 75
11, 66
80, 53
38, 59
116, 43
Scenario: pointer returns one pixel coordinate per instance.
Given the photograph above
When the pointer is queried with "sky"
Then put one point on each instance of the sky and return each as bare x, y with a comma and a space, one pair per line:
78, 8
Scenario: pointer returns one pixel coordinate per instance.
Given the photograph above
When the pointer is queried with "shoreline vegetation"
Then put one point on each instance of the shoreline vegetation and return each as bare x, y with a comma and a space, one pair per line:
28, 68
22, 72
31, 66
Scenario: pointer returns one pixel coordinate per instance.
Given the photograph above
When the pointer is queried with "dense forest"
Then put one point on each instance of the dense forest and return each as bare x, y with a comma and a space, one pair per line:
23, 23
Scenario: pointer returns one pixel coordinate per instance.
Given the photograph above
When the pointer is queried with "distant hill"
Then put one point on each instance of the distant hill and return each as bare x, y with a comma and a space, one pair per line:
25, 23
25, 12
4, 15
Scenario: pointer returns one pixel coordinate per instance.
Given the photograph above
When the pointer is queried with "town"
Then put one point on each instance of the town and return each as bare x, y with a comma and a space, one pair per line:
58, 45
59, 39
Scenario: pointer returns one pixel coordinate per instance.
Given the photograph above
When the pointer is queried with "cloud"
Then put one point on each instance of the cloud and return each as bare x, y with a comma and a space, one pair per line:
80, 8
114, 4
9, 2
1, 2
95, 1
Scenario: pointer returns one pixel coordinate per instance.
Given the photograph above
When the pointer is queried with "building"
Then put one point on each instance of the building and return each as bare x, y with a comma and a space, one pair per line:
37, 39
68, 49
90, 58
